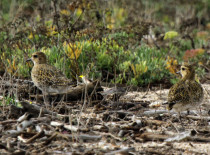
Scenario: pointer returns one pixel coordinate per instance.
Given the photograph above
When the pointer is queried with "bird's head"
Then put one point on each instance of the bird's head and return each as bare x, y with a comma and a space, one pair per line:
38, 58
187, 71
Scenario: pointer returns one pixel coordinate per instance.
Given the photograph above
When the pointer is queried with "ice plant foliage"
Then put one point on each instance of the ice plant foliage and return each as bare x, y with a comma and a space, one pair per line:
139, 69
51, 31
73, 50
12, 67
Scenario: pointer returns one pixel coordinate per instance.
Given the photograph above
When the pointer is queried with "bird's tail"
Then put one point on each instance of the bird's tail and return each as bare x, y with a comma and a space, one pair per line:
169, 105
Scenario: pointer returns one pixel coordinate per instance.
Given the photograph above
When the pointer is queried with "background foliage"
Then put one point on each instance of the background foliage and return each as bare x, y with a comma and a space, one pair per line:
125, 42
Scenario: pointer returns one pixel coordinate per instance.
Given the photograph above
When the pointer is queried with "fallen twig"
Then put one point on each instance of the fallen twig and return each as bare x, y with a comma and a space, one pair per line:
121, 151
207, 118
48, 140
39, 134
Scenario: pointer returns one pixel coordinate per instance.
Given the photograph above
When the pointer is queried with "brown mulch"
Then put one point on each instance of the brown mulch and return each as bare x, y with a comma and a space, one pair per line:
119, 122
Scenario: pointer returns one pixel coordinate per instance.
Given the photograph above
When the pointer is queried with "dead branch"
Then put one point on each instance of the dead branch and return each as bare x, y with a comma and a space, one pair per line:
121, 151
152, 136
155, 112
155, 122
33, 109
39, 134
48, 140
8, 122
207, 118
83, 137
77, 92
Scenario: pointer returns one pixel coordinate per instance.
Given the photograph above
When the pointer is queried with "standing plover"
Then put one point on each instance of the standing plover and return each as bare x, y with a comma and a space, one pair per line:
46, 77
187, 93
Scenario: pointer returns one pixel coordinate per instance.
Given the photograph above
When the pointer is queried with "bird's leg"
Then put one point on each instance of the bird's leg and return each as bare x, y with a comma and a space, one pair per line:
62, 97
200, 110
180, 119
179, 116
36, 96
54, 99
46, 100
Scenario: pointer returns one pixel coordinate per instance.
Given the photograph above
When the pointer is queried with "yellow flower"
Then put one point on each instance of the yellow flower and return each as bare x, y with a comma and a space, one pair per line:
79, 12
3, 56
172, 65
31, 36
170, 35
110, 26
38, 18
45, 50
65, 12
51, 31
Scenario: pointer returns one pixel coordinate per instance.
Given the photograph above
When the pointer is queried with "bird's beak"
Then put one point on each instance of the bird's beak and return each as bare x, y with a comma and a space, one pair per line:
179, 72
28, 60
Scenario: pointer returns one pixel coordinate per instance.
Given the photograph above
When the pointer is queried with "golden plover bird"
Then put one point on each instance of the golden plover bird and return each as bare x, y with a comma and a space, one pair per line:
47, 77
187, 93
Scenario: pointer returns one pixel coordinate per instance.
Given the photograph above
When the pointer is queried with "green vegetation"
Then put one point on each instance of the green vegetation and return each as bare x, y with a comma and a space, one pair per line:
8, 101
105, 39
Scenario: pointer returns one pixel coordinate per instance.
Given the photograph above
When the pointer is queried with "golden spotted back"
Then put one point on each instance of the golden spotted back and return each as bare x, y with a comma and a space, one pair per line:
48, 76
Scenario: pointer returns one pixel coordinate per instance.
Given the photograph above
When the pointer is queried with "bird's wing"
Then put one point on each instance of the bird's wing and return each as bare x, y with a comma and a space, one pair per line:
58, 77
180, 92
197, 91
49, 75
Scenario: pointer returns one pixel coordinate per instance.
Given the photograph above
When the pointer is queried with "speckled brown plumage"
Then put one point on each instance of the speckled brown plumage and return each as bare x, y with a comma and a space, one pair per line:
47, 77
187, 93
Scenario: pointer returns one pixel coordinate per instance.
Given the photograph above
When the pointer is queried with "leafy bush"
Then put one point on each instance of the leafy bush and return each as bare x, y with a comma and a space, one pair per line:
97, 41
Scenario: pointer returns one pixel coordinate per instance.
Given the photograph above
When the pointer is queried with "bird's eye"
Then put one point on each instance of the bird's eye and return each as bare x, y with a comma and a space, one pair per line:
35, 56
183, 69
